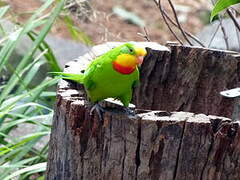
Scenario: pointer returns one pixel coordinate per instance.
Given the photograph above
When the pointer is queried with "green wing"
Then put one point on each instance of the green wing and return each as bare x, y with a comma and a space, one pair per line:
89, 84
97, 65
136, 83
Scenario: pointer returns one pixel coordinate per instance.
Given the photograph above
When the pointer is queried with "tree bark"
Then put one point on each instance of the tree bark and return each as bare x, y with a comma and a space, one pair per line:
152, 144
188, 79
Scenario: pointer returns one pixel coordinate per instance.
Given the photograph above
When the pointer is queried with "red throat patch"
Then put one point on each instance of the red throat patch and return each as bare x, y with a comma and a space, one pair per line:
122, 69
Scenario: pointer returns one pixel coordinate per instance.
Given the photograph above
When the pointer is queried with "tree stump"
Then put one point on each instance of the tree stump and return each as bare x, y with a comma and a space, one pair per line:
155, 143
188, 79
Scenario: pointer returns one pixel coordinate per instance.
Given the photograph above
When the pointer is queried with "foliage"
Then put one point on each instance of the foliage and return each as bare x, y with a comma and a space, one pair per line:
76, 32
21, 103
221, 5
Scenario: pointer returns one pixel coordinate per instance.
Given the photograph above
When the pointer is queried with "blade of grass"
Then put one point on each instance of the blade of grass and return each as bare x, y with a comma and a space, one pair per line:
76, 32
3, 10
19, 164
36, 91
221, 5
13, 80
25, 81
51, 59
12, 36
32, 120
10, 103
41, 167
15, 37
28, 143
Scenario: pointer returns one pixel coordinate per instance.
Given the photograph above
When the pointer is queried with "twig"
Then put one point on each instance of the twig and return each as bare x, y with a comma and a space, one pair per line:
223, 30
178, 23
214, 34
238, 37
224, 33
145, 35
236, 29
236, 11
71, 4
187, 33
166, 22
233, 19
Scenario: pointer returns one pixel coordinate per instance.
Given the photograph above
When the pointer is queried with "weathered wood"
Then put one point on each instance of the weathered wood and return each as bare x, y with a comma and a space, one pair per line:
151, 144
188, 79
180, 78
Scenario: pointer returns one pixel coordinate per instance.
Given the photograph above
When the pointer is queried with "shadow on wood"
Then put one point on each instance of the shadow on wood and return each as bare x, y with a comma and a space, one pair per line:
153, 144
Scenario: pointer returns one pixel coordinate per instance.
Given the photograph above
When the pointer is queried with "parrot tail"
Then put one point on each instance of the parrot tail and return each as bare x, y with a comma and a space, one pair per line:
74, 77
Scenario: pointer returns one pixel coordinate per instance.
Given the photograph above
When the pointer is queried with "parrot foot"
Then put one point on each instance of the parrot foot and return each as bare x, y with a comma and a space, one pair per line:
129, 112
99, 109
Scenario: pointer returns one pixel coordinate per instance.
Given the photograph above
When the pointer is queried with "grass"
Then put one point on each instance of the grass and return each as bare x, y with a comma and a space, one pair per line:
21, 102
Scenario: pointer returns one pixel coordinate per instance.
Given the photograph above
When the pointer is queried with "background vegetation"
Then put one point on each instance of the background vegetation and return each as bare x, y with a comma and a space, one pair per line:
22, 102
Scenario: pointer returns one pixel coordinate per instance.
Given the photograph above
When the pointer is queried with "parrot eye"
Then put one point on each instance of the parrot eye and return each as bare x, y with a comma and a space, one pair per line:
130, 50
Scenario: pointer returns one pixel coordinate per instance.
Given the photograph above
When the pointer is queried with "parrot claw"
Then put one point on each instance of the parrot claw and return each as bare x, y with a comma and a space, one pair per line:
99, 111
129, 112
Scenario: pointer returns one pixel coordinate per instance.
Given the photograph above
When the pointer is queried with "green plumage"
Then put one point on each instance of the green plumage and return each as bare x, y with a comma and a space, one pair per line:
102, 81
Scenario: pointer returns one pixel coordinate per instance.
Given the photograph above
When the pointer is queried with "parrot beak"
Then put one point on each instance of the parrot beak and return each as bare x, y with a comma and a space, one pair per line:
140, 53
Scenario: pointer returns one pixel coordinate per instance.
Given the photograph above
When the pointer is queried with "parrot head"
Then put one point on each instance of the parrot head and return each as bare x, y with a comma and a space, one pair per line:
129, 57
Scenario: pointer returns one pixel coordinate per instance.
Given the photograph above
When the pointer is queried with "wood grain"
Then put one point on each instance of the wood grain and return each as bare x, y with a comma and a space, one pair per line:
161, 141
188, 79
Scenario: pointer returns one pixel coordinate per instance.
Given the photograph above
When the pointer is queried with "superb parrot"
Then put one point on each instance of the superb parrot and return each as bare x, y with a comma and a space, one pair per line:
113, 74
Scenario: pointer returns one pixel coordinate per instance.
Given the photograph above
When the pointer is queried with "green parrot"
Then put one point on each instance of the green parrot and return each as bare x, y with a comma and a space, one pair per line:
113, 74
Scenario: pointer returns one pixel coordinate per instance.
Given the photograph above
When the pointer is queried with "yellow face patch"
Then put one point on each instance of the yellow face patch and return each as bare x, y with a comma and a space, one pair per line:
126, 60
140, 51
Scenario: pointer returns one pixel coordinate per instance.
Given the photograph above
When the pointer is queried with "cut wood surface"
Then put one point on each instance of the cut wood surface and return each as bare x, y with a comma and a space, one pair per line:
155, 143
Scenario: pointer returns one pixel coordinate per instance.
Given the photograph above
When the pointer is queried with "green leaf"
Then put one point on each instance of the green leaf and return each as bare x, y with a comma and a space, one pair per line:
33, 70
51, 59
41, 178
10, 103
27, 144
16, 36
221, 5
6, 110
3, 10
32, 120
19, 164
76, 33
24, 103
14, 80
40, 167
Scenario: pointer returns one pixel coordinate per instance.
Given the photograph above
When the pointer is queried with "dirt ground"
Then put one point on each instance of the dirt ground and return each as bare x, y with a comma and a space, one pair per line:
101, 24
108, 27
